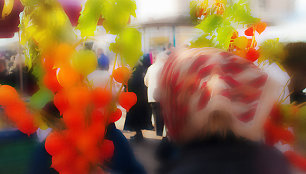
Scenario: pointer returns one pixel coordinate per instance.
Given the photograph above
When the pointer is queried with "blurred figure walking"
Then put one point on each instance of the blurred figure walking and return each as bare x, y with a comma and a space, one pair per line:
151, 80
139, 116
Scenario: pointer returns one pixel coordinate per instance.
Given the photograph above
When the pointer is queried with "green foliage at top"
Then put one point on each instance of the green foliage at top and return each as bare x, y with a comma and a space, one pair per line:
128, 45
210, 24
115, 13
220, 24
43, 23
240, 13
225, 32
89, 17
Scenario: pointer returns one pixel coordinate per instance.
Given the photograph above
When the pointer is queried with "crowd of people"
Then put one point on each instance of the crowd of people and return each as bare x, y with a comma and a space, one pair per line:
198, 109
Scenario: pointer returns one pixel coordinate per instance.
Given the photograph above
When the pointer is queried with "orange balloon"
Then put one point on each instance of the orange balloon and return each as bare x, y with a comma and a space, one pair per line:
260, 27
67, 77
8, 95
122, 74
62, 55
54, 143
26, 124
79, 97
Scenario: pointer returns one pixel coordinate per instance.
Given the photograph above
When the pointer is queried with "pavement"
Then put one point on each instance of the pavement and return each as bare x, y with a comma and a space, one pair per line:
144, 151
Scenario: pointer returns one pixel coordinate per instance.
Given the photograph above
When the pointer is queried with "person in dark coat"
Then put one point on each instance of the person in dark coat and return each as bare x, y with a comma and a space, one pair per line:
139, 116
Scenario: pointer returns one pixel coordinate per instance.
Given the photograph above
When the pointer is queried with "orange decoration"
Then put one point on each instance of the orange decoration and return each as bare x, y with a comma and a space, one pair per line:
50, 81
235, 35
127, 100
79, 97
54, 143
260, 27
296, 159
115, 116
61, 101
249, 31
26, 124
101, 97
107, 149
8, 95
74, 119
67, 77
62, 55
122, 74
252, 54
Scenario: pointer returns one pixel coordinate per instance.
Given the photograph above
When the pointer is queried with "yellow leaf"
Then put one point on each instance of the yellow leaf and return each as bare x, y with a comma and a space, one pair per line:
7, 8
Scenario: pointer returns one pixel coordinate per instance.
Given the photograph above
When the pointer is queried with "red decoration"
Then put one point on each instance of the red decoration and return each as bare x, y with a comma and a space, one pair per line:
297, 160
61, 101
115, 116
122, 74
249, 31
50, 81
252, 54
101, 97
260, 27
127, 100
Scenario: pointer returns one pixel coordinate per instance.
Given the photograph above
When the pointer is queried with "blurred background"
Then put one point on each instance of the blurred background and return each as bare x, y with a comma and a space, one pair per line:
161, 22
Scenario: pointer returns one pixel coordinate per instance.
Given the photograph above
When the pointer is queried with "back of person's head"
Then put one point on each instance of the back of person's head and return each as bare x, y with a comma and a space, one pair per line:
206, 91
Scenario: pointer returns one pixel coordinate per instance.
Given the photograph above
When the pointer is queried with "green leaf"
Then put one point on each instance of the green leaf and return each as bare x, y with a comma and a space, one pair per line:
89, 17
116, 14
224, 35
31, 53
201, 41
128, 45
210, 23
240, 12
41, 98
272, 50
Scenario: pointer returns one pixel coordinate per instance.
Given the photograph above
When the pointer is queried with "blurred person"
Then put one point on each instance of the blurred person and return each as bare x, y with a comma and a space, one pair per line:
139, 116
150, 80
3, 71
295, 63
100, 77
214, 105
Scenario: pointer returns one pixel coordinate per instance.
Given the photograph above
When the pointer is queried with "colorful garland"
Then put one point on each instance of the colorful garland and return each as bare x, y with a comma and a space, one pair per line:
77, 143
220, 22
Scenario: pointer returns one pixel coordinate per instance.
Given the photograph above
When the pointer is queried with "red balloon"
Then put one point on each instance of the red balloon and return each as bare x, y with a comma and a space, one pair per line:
101, 97
252, 54
26, 124
115, 116
61, 101
79, 97
74, 119
107, 149
55, 143
249, 31
8, 95
50, 81
127, 100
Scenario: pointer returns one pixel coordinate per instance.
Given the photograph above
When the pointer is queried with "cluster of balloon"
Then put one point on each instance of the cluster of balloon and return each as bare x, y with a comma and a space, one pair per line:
16, 110
86, 112
246, 46
283, 117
